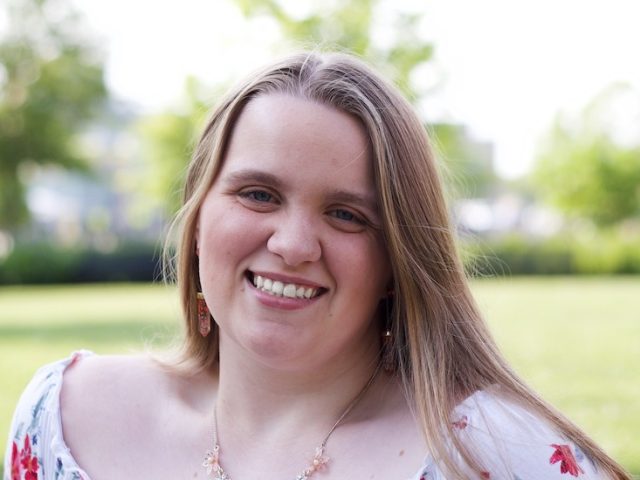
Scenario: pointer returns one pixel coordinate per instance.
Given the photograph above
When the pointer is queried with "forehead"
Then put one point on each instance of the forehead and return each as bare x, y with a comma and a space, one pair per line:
294, 136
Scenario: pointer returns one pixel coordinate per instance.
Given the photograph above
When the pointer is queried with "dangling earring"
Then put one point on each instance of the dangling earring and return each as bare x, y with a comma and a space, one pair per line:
204, 317
388, 362
388, 357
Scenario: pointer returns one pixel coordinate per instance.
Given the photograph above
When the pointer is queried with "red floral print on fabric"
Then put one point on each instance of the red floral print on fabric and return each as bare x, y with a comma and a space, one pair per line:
462, 423
23, 462
568, 463
15, 463
485, 475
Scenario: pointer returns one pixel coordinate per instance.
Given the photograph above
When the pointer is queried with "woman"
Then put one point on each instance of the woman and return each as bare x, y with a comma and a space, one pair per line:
330, 330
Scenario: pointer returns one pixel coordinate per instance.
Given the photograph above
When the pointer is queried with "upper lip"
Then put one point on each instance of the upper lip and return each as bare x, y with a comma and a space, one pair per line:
287, 278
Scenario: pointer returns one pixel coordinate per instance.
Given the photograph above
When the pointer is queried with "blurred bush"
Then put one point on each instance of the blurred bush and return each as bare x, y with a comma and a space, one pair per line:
44, 263
602, 254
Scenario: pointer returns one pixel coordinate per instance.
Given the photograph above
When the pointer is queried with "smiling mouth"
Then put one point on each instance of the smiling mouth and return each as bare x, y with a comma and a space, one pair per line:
282, 289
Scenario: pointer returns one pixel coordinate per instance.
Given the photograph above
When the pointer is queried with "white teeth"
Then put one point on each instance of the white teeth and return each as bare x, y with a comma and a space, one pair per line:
289, 291
279, 289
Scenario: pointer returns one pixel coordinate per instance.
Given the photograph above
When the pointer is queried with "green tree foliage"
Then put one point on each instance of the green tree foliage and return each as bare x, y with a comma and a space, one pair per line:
585, 170
167, 140
51, 83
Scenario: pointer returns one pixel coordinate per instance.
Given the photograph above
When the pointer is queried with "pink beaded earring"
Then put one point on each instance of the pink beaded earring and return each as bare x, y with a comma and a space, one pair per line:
204, 317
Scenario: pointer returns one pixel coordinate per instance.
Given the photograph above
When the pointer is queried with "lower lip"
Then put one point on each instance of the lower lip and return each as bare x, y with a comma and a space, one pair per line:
281, 303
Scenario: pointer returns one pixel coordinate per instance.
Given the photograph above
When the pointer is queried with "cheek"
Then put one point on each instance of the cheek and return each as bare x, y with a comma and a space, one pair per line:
226, 225
365, 267
227, 236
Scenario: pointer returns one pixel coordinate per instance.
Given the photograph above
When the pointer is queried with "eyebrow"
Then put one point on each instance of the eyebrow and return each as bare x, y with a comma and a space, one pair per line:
340, 196
257, 176
364, 201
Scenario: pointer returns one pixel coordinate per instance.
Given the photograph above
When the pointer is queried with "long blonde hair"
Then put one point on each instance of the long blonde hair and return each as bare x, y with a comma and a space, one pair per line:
444, 351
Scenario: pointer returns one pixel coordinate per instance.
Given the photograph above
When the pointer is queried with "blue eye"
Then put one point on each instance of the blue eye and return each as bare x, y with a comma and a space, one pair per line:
345, 215
348, 217
258, 196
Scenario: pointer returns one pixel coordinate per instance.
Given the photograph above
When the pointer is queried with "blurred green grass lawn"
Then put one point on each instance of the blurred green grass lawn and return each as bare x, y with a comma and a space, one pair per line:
577, 340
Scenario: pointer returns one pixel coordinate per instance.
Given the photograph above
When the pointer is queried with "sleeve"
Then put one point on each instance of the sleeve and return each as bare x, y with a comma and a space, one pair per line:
35, 447
512, 443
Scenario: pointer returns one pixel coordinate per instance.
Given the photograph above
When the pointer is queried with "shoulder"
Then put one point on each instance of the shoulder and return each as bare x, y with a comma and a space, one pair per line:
511, 441
102, 380
116, 410
104, 391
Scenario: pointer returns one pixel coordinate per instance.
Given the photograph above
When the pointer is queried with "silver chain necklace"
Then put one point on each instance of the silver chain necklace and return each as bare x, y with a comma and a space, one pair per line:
212, 458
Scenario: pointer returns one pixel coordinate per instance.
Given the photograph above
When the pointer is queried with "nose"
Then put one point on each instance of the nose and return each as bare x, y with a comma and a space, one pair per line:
295, 240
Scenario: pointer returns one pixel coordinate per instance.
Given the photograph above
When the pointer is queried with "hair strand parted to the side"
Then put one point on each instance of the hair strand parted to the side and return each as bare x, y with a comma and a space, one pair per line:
443, 347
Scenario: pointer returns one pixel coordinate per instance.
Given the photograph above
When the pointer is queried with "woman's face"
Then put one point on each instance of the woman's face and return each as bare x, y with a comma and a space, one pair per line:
292, 262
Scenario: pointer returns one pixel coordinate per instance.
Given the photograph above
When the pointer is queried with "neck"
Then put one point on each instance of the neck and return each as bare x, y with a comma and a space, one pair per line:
281, 403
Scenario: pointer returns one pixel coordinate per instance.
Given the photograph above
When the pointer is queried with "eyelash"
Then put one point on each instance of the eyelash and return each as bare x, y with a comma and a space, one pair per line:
251, 195
354, 217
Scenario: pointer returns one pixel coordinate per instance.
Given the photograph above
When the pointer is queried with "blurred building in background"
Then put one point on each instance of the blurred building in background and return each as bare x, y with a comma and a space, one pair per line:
98, 209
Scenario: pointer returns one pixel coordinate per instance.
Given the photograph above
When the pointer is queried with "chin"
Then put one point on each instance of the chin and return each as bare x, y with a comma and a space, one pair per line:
285, 350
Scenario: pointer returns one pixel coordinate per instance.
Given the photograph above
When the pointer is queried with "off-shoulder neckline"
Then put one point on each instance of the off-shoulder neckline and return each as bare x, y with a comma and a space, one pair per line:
467, 405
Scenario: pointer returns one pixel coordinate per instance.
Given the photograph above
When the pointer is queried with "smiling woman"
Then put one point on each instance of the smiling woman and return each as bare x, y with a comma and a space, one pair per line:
324, 305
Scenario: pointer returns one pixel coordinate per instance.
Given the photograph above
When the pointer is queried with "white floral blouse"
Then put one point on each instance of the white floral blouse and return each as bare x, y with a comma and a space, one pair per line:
512, 443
